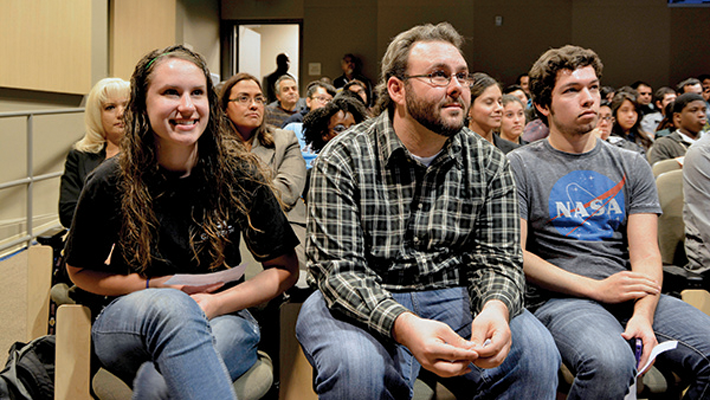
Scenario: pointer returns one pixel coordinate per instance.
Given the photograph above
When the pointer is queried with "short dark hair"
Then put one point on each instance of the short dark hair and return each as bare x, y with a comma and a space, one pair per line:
680, 88
684, 99
520, 77
605, 90
661, 93
361, 84
636, 84
543, 74
313, 87
512, 88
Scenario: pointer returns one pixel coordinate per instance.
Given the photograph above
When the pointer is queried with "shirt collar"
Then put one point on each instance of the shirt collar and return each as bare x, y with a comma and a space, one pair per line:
392, 148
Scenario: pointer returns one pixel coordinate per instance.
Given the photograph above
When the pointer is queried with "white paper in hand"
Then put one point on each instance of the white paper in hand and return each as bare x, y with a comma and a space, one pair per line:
226, 276
663, 347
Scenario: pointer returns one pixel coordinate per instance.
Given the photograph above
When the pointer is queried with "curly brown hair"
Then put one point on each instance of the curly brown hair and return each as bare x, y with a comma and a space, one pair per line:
222, 161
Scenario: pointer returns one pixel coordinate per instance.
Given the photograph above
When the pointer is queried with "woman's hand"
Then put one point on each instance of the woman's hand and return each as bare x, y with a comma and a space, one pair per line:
159, 282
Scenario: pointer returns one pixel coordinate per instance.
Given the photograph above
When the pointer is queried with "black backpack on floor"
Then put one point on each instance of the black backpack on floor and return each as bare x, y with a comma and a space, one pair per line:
29, 371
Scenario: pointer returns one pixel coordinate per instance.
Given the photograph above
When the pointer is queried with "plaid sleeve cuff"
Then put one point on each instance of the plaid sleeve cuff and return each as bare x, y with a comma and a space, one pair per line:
383, 316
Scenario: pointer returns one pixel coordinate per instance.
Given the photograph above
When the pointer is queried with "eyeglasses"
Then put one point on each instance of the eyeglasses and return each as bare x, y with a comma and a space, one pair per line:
338, 129
322, 99
442, 78
246, 100
607, 119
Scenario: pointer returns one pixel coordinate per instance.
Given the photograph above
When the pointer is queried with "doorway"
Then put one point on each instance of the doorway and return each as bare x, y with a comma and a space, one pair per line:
254, 45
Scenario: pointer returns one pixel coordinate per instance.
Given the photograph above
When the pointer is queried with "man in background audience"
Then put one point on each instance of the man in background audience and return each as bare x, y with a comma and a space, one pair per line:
645, 97
661, 98
589, 234
689, 118
286, 101
705, 80
690, 85
352, 70
413, 246
318, 95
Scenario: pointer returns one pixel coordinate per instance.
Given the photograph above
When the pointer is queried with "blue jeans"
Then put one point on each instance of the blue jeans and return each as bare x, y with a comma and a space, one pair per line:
160, 343
350, 363
588, 336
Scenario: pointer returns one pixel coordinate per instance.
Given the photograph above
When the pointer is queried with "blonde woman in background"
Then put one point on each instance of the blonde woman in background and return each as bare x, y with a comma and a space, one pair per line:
103, 119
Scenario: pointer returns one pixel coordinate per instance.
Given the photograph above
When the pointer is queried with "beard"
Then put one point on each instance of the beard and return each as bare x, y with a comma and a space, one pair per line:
429, 115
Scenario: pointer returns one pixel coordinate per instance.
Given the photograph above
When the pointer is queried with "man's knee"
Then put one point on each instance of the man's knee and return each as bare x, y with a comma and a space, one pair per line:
534, 346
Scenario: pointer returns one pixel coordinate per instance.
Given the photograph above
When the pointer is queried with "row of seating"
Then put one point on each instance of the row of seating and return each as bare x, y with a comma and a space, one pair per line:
73, 368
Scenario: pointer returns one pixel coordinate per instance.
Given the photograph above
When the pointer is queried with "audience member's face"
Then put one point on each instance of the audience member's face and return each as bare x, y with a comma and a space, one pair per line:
692, 119
574, 106
246, 107
358, 90
338, 124
513, 121
487, 111
440, 109
319, 99
521, 95
697, 89
347, 64
525, 83
667, 99
626, 115
177, 104
609, 96
645, 95
112, 118
605, 122
287, 94
706, 89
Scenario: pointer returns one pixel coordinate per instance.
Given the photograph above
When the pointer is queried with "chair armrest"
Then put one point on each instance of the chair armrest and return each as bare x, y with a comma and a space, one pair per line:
53, 238
72, 372
677, 279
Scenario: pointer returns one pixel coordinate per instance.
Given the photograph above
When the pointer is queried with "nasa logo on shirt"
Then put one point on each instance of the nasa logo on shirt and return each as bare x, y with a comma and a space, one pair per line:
587, 205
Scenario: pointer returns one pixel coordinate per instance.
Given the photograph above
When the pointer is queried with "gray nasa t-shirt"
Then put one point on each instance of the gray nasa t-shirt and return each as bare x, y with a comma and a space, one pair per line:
577, 206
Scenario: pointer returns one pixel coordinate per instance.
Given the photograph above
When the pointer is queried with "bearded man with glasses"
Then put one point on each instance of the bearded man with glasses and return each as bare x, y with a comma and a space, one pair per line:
413, 244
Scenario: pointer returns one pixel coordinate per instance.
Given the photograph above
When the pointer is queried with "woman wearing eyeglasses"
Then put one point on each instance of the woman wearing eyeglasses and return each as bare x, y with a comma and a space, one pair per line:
243, 102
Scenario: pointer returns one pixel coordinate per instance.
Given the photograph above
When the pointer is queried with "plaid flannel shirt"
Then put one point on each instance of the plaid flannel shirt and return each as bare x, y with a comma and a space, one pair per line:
381, 222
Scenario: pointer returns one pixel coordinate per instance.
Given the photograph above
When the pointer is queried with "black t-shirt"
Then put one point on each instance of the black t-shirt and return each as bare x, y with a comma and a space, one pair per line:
97, 225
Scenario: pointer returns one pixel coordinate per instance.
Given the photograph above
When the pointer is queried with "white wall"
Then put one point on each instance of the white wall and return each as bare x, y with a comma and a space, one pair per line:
276, 39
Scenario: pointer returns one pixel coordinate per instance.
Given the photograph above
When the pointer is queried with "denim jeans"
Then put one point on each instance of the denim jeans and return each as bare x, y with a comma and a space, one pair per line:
350, 363
160, 343
588, 336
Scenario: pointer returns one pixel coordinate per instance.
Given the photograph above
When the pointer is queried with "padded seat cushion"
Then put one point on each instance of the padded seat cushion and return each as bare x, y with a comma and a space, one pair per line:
253, 385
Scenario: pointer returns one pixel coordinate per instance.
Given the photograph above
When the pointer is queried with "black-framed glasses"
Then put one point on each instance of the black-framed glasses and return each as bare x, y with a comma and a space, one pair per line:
246, 100
442, 78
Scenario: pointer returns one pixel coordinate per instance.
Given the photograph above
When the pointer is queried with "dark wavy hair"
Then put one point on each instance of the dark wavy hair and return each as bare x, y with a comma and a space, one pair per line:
315, 123
543, 74
262, 133
635, 134
222, 161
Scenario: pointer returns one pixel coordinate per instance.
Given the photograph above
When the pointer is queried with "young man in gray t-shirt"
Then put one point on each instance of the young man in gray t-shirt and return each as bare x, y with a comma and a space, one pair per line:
589, 232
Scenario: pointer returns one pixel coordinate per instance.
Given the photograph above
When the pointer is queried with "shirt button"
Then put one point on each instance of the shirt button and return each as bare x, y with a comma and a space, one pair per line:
416, 239
420, 206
